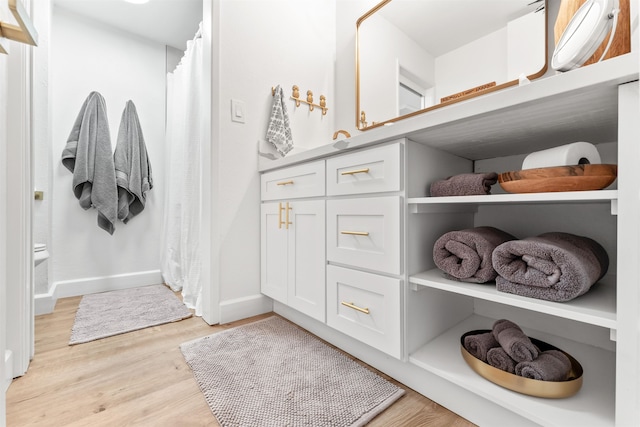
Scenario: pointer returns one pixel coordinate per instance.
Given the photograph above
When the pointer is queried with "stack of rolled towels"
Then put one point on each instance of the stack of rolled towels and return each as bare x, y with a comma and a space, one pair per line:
509, 349
553, 266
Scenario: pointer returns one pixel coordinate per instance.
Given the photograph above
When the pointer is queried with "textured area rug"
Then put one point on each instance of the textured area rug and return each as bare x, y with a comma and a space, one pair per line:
272, 373
116, 312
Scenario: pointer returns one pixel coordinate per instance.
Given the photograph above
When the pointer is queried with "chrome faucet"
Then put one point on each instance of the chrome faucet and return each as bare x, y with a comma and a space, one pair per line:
344, 132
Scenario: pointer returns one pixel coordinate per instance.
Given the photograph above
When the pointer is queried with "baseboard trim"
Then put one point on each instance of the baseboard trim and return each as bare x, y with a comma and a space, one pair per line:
241, 308
45, 303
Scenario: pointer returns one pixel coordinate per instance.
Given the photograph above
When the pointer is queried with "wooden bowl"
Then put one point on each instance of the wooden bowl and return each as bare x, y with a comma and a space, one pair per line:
559, 178
528, 386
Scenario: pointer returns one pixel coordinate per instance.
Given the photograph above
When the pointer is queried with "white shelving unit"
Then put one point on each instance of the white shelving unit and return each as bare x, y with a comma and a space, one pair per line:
596, 307
593, 405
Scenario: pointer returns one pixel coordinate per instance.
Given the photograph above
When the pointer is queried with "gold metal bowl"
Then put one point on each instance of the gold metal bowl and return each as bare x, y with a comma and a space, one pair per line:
528, 386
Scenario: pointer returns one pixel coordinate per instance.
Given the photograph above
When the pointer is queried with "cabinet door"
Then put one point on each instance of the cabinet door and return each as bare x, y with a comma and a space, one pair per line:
306, 234
273, 251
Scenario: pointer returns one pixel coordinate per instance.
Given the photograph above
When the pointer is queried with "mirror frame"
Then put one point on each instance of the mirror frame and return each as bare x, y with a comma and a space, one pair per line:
474, 94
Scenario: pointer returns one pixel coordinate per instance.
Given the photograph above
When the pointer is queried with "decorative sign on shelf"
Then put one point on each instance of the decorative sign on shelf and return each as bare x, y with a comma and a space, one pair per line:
468, 92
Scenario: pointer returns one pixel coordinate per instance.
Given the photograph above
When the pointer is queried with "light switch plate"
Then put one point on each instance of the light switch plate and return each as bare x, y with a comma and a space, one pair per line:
237, 111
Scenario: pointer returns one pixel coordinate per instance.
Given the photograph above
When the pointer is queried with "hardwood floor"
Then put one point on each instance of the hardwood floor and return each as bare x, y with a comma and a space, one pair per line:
141, 378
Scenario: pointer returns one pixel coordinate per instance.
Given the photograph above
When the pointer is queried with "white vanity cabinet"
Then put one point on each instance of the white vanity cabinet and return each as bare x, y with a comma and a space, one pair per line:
293, 238
599, 103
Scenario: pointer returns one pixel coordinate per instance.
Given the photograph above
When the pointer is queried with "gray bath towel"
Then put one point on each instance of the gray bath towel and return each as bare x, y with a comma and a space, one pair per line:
498, 358
511, 338
465, 255
551, 266
88, 155
551, 365
279, 130
479, 344
133, 170
466, 184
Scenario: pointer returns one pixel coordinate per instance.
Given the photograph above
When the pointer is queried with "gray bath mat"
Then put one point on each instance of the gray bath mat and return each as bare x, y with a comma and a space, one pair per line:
272, 373
116, 312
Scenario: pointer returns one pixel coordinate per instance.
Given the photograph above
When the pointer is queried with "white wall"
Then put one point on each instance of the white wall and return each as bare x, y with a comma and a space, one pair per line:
383, 49
3, 234
88, 56
347, 13
474, 64
262, 44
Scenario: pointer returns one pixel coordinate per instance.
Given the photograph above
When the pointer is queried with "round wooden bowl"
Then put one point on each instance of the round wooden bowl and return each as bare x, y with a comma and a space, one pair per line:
559, 178
528, 386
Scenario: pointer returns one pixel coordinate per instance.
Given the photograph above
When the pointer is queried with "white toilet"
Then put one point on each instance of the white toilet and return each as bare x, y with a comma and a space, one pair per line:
40, 253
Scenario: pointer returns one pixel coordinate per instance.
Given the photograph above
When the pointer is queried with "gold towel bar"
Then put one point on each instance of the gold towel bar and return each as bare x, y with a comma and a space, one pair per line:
355, 307
353, 172
356, 233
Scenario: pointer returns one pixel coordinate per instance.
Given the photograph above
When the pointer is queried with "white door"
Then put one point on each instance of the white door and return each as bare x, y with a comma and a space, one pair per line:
274, 252
306, 283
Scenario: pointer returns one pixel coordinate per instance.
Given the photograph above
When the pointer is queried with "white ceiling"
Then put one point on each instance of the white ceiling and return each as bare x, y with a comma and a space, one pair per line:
170, 22
441, 26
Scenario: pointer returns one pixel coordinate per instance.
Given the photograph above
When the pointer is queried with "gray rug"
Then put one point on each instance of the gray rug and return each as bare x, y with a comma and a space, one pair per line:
116, 312
272, 373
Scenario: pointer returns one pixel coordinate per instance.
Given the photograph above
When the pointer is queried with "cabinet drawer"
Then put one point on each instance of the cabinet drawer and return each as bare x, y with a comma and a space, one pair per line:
368, 171
365, 233
307, 180
366, 307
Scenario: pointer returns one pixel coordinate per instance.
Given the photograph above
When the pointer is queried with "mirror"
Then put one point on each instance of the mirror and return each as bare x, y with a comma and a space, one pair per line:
414, 56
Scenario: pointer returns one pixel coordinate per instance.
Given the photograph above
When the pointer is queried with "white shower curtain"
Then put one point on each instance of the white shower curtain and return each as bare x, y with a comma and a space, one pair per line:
181, 260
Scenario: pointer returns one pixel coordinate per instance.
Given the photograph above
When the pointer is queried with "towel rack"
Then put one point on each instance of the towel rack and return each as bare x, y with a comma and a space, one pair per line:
25, 32
309, 101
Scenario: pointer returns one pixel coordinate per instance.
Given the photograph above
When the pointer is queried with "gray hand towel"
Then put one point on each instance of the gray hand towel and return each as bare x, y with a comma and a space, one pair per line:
551, 266
511, 338
466, 184
88, 155
465, 255
479, 344
498, 358
133, 170
279, 130
551, 365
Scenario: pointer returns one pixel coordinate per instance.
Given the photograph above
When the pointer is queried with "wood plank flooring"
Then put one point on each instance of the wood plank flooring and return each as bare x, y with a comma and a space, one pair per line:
140, 378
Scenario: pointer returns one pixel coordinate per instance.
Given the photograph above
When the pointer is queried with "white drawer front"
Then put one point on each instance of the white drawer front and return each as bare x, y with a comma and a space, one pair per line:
369, 171
366, 307
307, 180
365, 233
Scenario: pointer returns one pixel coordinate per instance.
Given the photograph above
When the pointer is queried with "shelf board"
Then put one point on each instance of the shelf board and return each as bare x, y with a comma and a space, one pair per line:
596, 307
592, 405
435, 204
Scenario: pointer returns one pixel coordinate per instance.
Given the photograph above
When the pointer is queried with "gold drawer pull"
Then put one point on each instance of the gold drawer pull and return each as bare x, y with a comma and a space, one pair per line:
285, 182
353, 172
355, 307
356, 233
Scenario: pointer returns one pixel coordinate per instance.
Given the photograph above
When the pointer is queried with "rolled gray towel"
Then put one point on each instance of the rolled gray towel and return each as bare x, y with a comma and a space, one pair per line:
552, 266
479, 344
498, 358
466, 184
465, 255
511, 338
551, 365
